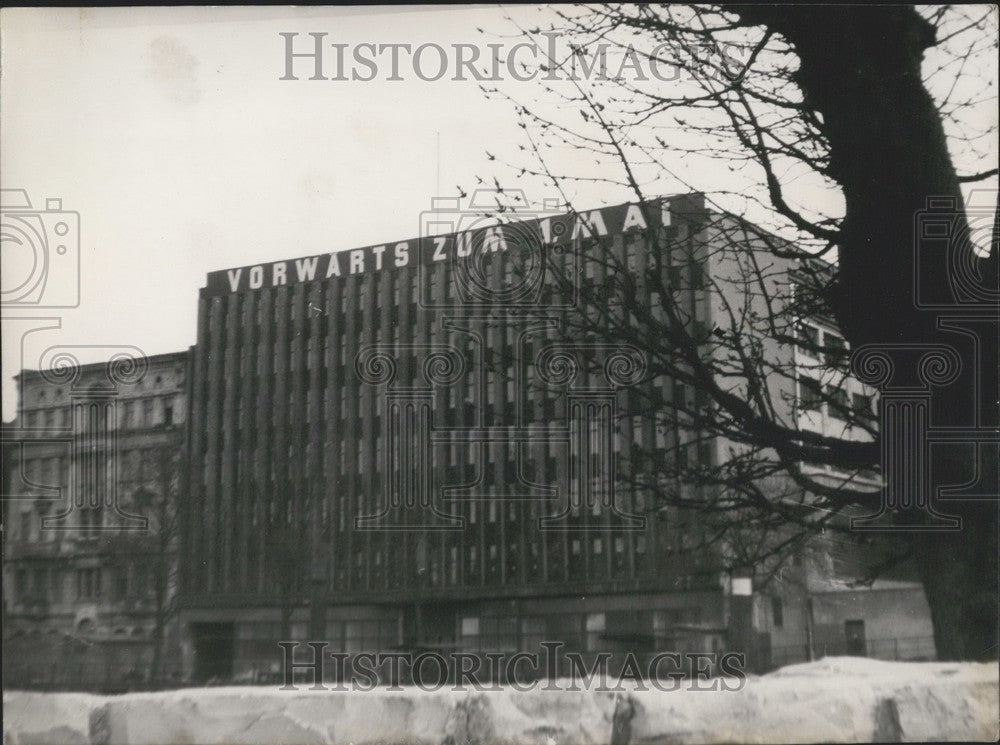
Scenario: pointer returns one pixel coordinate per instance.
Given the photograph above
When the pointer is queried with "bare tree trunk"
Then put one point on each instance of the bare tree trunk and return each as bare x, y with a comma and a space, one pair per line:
861, 72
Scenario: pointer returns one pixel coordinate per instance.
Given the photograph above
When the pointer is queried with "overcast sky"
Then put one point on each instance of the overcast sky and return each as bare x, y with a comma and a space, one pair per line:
169, 131
171, 134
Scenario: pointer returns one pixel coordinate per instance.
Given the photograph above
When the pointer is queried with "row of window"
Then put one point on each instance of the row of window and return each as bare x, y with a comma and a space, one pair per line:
814, 339
589, 631
833, 399
92, 583
146, 466
84, 522
130, 414
454, 560
43, 395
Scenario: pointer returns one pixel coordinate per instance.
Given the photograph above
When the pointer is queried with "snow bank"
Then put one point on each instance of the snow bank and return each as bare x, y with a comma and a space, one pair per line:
834, 700
48, 718
267, 715
535, 717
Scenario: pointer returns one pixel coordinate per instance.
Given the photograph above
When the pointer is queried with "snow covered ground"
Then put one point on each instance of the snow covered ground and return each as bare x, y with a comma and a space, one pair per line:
839, 699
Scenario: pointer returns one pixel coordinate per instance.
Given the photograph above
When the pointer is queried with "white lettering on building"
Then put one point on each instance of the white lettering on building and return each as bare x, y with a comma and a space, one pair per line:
634, 218
439, 243
494, 240
256, 277
590, 226
306, 268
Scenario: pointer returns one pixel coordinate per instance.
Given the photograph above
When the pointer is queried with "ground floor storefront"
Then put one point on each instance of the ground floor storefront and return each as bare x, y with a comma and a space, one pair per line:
525, 637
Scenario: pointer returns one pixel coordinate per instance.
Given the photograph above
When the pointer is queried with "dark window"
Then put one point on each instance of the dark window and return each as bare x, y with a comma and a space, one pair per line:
810, 394
681, 456
121, 583
697, 276
838, 401
836, 348
777, 613
680, 395
40, 583
21, 583
705, 453
88, 583
810, 338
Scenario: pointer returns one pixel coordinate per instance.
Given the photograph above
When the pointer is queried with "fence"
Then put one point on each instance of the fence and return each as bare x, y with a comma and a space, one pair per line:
62, 663
913, 649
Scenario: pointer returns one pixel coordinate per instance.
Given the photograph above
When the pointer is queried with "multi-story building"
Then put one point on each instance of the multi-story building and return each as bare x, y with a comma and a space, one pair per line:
829, 601
92, 468
397, 447
407, 446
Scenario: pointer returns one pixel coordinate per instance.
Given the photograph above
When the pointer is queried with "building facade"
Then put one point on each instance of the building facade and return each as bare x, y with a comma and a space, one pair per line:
92, 467
407, 446
388, 450
826, 601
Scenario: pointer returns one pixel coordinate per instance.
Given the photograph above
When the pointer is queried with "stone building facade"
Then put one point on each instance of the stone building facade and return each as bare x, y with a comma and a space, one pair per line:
92, 472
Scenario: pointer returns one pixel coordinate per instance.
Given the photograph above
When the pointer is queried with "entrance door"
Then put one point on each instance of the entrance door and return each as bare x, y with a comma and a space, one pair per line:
430, 627
214, 650
437, 625
855, 633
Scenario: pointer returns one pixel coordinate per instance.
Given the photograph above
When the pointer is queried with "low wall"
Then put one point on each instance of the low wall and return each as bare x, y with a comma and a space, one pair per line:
834, 700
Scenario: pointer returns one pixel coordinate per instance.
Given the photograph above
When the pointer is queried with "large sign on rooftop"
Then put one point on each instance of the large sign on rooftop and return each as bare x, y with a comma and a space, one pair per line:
451, 234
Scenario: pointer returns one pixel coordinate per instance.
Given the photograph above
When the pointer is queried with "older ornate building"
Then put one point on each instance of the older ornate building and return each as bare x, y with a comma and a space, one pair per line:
92, 468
